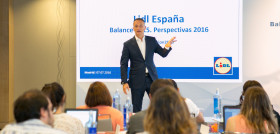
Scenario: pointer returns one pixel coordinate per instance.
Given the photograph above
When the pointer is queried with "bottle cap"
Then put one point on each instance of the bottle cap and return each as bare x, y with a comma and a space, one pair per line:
217, 91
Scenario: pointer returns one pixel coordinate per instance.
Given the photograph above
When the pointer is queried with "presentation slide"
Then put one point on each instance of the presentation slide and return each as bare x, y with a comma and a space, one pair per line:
208, 34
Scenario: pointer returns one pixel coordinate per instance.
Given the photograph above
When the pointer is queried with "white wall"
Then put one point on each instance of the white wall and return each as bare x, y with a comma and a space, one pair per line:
36, 26
262, 45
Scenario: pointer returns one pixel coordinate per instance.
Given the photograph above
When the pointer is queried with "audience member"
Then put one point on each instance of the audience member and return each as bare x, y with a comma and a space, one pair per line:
98, 97
33, 114
247, 84
193, 109
251, 83
256, 114
62, 120
136, 121
168, 114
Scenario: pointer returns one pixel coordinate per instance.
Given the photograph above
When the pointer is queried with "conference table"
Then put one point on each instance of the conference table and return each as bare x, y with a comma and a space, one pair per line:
209, 122
214, 125
112, 132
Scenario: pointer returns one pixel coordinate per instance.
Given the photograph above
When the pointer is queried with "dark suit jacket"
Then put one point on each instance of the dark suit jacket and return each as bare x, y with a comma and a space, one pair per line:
132, 52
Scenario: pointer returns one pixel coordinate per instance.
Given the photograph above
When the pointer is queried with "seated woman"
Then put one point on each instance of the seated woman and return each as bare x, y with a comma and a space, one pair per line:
256, 114
98, 97
168, 114
62, 120
251, 83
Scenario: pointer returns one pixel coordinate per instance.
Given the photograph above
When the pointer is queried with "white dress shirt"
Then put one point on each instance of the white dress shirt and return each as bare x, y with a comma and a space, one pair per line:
142, 47
69, 124
193, 109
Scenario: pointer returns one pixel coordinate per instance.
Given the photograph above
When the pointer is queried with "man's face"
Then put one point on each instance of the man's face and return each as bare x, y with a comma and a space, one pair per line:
139, 28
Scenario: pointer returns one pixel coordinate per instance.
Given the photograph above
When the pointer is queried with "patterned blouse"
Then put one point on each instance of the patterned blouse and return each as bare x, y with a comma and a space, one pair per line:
68, 124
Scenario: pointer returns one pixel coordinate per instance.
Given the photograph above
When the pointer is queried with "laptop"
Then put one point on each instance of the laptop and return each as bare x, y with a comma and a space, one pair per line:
83, 114
229, 111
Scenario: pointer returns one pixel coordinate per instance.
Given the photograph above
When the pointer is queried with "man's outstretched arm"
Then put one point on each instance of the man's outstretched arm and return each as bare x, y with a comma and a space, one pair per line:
167, 48
170, 42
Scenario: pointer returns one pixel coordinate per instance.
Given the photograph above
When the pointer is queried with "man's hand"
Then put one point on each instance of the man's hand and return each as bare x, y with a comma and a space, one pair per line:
125, 88
170, 42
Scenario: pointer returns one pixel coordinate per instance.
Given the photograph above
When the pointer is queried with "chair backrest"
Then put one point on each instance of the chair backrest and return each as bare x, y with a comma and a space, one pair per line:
104, 124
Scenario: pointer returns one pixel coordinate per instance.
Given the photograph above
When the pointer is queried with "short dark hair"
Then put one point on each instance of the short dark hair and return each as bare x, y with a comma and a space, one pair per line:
98, 94
174, 84
159, 83
28, 106
248, 84
139, 19
55, 92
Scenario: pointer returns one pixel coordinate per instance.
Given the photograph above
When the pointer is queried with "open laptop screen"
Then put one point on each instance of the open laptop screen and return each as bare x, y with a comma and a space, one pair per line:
229, 111
82, 114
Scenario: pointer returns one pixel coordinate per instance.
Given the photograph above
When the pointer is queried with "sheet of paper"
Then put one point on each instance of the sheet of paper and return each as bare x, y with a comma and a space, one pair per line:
204, 129
117, 129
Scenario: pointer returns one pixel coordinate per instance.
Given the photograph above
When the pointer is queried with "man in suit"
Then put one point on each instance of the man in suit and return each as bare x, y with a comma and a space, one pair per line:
140, 51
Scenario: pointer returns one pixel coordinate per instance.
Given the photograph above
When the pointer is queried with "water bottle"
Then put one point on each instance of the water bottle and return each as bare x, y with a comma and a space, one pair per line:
91, 124
117, 100
217, 105
127, 112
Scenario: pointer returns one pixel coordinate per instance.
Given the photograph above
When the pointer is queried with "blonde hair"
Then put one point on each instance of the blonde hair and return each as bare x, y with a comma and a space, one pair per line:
168, 113
257, 110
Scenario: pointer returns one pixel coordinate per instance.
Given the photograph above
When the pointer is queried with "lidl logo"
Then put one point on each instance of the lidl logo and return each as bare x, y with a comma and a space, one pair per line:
222, 65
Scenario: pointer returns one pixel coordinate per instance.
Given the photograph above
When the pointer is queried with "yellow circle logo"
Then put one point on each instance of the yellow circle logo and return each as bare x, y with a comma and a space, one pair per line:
222, 65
